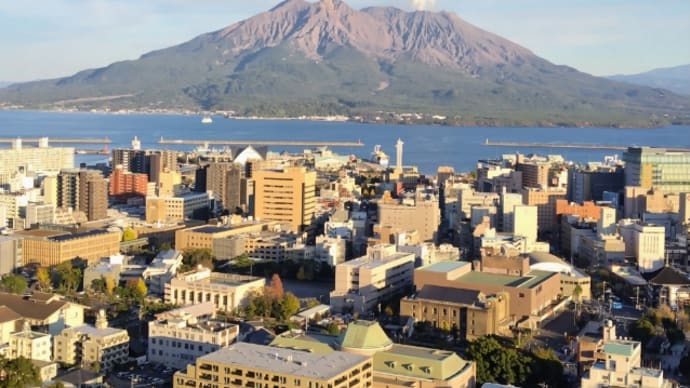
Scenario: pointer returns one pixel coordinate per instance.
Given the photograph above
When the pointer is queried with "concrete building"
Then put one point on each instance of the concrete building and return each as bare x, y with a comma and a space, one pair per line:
204, 236
161, 270
83, 190
535, 173
180, 336
588, 183
421, 213
330, 251
668, 171
46, 313
30, 344
184, 206
571, 277
88, 346
585, 210
287, 196
468, 313
644, 242
11, 254
245, 364
394, 365
684, 208
123, 184
526, 222
618, 365
507, 211
226, 291
639, 200
20, 159
545, 201
363, 283
468, 198
39, 214
530, 294
50, 248
223, 179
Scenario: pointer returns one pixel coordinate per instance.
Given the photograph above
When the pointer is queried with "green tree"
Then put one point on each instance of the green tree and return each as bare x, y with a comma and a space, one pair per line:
18, 372
641, 330
68, 277
289, 306
43, 278
165, 246
137, 288
57, 384
129, 234
98, 285
301, 275
496, 363
15, 284
332, 328
547, 369
250, 310
312, 302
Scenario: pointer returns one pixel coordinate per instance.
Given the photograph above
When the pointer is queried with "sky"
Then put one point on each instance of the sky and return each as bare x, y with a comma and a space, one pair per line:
53, 38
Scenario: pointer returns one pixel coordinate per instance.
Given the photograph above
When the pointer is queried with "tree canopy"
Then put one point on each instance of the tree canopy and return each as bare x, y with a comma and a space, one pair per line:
194, 257
496, 363
18, 372
15, 284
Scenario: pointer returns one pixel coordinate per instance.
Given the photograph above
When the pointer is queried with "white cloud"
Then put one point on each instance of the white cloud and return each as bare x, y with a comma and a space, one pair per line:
423, 5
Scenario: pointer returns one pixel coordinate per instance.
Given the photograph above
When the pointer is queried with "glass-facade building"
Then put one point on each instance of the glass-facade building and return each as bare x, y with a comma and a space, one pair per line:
668, 171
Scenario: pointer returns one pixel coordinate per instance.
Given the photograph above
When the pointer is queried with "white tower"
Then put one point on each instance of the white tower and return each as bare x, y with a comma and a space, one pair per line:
136, 144
399, 154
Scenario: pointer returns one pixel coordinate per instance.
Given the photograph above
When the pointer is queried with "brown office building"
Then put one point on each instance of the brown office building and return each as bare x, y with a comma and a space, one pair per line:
46, 248
287, 195
469, 313
530, 294
83, 190
224, 180
248, 365
545, 201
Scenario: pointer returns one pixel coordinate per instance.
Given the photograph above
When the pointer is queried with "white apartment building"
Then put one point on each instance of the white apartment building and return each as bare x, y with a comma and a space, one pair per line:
363, 283
161, 270
644, 242
330, 250
525, 222
180, 336
226, 291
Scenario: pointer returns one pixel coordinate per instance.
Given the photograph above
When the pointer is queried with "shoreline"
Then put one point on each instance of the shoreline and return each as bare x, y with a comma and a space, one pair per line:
352, 119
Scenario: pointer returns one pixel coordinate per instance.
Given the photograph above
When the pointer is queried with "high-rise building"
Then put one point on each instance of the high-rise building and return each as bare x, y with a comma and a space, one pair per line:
545, 201
224, 180
83, 190
534, 173
525, 222
658, 168
287, 195
590, 184
421, 213
507, 212
124, 183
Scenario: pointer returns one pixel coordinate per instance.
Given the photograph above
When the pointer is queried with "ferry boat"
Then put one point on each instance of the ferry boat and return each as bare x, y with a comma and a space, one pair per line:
206, 119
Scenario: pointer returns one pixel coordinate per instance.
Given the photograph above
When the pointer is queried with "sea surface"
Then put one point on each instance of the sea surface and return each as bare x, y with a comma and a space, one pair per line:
425, 146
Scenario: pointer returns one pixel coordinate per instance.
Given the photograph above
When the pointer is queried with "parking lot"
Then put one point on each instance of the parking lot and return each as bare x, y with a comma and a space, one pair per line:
145, 375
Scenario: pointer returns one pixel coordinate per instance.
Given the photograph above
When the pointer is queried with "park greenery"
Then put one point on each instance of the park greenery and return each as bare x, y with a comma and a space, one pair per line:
661, 320
18, 372
501, 363
272, 302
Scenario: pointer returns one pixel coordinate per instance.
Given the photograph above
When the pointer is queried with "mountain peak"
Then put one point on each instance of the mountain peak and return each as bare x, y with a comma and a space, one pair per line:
323, 57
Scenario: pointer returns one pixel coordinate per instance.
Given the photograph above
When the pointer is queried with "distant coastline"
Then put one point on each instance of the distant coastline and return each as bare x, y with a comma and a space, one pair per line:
406, 118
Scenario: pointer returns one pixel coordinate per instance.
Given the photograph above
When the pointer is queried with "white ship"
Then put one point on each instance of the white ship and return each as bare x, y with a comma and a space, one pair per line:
206, 119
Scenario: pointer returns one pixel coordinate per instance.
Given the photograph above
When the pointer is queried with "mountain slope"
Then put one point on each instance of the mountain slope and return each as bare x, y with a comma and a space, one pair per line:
325, 57
675, 79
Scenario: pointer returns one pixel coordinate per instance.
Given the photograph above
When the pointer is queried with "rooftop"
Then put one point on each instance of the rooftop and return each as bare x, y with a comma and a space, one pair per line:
29, 308
285, 361
621, 347
447, 294
364, 335
369, 262
93, 331
529, 280
67, 237
446, 266
418, 362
